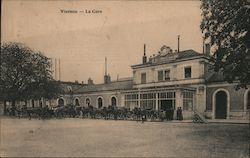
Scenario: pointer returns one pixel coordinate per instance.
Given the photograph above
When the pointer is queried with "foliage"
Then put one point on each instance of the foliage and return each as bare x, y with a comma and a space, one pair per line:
226, 25
25, 74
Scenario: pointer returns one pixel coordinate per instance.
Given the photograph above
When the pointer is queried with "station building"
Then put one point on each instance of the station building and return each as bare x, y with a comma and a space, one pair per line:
167, 80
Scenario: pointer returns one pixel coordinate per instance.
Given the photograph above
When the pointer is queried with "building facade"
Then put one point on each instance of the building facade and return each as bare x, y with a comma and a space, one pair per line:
167, 80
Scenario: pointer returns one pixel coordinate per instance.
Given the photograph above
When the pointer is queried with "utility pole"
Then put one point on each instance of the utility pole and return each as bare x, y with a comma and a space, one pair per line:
55, 69
106, 66
59, 69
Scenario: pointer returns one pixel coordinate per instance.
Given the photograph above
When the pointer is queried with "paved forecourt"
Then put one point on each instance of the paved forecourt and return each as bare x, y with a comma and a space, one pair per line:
106, 138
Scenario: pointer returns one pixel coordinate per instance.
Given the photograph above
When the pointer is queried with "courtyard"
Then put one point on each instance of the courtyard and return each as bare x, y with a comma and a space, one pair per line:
108, 138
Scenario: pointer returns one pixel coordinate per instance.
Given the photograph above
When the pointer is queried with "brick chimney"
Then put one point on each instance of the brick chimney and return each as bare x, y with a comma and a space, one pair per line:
90, 81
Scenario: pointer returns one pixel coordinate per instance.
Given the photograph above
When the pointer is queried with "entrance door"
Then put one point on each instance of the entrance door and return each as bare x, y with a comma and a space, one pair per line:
99, 103
60, 102
113, 101
221, 105
166, 105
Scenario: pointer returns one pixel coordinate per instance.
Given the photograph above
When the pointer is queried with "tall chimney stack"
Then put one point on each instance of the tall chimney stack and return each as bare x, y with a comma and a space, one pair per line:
106, 76
144, 50
144, 58
178, 44
55, 69
105, 66
59, 69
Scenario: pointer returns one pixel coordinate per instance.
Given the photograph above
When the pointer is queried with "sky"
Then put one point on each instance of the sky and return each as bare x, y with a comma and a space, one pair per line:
118, 31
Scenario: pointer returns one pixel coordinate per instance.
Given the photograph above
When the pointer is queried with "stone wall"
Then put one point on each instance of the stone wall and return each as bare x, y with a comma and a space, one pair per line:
237, 102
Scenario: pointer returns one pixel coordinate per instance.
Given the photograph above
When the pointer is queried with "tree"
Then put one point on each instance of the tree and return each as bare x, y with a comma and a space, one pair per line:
25, 74
225, 24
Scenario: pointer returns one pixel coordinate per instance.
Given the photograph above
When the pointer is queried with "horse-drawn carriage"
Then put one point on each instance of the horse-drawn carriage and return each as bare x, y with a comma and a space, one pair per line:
110, 112
30, 112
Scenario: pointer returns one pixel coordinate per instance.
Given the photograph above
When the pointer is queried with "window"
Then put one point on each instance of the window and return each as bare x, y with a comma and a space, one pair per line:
188, 72
77, 102
147, 100
131, 100
164, 75
160, 75
167, 75
69, 88
188, 101
99, 103
33, 103
113, 101
88, 101
143, 78
60, 102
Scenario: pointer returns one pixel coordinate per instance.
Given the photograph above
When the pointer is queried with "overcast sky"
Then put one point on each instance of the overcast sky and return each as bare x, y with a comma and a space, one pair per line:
82, 40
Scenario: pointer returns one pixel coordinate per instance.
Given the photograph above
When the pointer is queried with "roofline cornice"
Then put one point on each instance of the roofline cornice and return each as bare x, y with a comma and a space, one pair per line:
202, 56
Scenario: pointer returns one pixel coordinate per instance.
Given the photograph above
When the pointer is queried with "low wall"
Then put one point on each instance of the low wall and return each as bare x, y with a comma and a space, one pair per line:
1, 108
234, 115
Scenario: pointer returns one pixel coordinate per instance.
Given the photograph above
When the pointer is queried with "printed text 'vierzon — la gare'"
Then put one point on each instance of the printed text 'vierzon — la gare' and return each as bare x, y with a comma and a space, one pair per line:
84, 11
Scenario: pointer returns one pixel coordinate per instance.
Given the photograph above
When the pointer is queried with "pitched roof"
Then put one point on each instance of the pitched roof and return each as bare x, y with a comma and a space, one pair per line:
114, 85
70, 86
187, 54
163, 58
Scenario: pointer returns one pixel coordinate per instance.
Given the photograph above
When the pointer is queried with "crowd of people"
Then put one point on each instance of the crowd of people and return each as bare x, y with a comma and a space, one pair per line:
110, 112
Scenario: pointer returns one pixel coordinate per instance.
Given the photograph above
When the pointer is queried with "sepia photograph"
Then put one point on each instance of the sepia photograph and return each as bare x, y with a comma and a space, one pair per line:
125, 78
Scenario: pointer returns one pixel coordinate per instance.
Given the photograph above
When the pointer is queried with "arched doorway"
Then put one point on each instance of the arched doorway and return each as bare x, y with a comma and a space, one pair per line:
77, 102
247, 100
33, 103
99, 103
221, 105
60, 102
113, 101
87, 101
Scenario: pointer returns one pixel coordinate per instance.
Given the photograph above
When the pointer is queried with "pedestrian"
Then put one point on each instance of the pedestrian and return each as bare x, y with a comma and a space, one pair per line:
144, 115
167, 114
162, 115
179, 114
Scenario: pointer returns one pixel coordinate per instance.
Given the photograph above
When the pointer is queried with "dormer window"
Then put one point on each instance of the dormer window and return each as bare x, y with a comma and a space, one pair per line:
69, 88
188, 72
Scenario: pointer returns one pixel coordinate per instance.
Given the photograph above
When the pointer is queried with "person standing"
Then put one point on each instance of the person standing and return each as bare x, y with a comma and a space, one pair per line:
144, 115
179, 114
